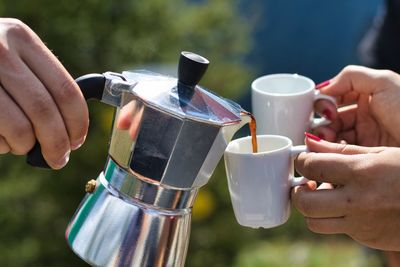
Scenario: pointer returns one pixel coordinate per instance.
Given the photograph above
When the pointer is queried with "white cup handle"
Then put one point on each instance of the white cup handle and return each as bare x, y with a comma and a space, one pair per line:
321, 121
298, 181
294, 151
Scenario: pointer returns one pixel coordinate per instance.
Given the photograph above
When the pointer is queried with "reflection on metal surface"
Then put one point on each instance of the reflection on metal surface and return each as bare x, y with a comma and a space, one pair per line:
110, 231
130, 186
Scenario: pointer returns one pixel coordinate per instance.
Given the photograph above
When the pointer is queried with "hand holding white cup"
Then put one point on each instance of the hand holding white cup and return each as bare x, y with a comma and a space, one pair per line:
260, 183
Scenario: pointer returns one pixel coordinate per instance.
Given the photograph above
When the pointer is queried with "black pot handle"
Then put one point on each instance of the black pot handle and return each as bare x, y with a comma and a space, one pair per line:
92, 86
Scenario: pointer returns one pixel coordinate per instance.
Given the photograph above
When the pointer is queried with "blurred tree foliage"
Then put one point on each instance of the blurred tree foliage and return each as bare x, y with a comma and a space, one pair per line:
100, 35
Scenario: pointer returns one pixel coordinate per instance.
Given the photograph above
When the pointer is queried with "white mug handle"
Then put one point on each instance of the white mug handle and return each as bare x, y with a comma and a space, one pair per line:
321, 121
294, 151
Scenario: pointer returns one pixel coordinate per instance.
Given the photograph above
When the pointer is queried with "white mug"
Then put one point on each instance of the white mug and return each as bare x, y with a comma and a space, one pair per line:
260, 183
283, 104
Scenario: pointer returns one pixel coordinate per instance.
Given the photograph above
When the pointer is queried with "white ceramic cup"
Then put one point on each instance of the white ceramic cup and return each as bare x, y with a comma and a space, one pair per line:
260, 183
283, 104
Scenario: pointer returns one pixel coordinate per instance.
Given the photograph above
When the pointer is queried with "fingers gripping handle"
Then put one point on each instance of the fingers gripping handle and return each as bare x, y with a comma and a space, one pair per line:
295, 151
92, 86
317, 122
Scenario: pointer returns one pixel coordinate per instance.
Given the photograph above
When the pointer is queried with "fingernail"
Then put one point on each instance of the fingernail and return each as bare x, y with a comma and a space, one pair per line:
327, 114
323, 84
77, 144
313, 137
62, 162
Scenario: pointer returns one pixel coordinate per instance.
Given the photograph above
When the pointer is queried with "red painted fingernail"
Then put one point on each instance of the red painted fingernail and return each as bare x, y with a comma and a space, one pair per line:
323, 84
327, 114
313, 137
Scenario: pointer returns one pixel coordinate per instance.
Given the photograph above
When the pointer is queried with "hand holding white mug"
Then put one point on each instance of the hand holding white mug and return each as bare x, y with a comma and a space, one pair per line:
369, 104
260, 183
39, 100
364, 204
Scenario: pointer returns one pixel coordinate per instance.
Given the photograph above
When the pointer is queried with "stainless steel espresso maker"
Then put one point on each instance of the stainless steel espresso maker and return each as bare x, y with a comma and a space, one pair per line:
138, 211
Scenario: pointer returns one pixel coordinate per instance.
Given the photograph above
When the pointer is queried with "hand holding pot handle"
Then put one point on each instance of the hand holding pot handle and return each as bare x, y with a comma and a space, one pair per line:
92, 86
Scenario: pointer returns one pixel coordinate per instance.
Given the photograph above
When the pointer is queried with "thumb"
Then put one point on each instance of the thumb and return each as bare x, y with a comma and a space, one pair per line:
316, 144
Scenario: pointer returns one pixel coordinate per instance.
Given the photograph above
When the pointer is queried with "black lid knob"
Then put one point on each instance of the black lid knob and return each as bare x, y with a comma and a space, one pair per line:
191, 68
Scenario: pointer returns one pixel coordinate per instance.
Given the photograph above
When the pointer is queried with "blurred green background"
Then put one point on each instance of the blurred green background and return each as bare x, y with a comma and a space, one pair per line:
101, 35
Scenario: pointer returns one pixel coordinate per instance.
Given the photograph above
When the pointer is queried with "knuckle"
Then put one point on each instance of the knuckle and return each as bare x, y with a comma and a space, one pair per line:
348, 70
24, 138
22, 129
68, 91
12, 30
8, 63
342, 148
12, 21
308, 167
19, 30
41, 108
5, 53
351, 71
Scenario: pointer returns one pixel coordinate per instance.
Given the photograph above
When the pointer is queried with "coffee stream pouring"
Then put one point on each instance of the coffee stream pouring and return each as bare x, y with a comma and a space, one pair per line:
138, 211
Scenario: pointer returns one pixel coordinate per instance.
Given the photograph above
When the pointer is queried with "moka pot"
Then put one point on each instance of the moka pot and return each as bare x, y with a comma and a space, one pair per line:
138, 211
